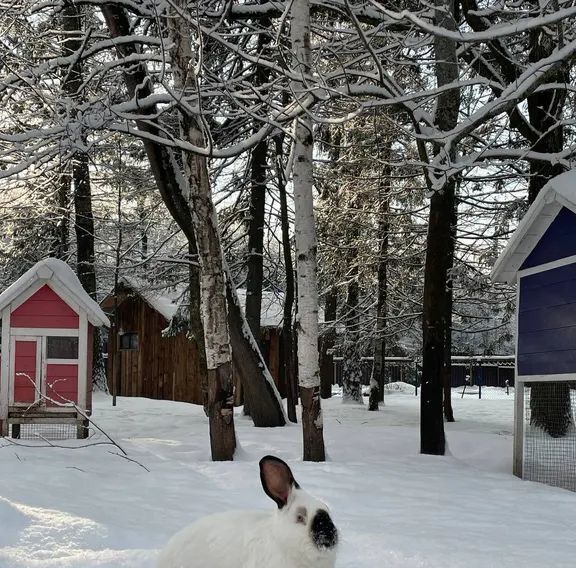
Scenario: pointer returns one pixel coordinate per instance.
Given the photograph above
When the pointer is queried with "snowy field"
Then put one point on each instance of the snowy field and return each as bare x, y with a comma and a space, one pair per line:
74, 506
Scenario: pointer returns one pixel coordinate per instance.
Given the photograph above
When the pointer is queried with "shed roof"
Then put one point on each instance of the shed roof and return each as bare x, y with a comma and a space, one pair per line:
557, 193
62, 277
167, 300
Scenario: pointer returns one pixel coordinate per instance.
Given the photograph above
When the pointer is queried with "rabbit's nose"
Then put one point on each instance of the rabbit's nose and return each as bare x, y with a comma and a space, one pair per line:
324, 533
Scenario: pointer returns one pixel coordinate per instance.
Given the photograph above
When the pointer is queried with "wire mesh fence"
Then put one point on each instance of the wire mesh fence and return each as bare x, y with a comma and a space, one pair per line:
52, 432
550, 433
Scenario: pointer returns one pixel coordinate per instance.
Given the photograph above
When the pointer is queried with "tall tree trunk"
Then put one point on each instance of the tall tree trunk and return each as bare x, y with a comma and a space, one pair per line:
73, 23
306, 245
287, 334
549, 403
378, 369
166, 173
327, 343
198, 196
84, 224
259, 159
439, 249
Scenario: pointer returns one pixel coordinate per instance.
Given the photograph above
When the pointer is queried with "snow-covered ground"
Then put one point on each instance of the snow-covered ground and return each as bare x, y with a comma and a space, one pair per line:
86, 506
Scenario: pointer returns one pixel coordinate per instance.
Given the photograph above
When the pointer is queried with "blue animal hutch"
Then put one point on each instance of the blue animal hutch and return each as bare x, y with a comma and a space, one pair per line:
541, 259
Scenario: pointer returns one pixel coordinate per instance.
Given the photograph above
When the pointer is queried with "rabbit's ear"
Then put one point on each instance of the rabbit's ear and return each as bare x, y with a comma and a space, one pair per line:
277, 479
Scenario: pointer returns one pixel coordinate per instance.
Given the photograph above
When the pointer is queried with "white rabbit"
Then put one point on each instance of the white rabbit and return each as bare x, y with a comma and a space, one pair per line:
299, 534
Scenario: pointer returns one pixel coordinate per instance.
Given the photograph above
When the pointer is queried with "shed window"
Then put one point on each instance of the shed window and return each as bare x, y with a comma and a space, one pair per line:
129, 341
62, 347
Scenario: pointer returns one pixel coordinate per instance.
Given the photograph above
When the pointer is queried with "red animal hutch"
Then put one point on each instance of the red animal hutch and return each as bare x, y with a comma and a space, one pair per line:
48, 325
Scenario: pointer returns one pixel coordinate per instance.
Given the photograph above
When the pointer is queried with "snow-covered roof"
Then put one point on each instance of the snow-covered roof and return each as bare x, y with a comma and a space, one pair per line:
63, 279
272, 310
166, 301
557, 193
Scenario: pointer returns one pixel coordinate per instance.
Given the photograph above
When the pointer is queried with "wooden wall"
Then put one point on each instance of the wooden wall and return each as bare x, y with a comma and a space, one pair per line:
547, 322
166, 368
162, 367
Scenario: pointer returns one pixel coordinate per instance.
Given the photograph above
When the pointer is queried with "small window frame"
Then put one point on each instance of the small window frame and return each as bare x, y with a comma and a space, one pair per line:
129, 341
58, 350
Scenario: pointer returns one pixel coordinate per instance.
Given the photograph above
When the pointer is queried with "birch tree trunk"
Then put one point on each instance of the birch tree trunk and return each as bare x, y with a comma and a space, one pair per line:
305, 232
168, 179
212, 277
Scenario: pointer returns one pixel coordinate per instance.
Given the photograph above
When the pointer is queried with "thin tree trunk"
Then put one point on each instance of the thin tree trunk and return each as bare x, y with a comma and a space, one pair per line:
287, 334
255, 276
327, 343
306, 247
439, 250
377, 380
378, 368
259, 159
212, 278
72, 23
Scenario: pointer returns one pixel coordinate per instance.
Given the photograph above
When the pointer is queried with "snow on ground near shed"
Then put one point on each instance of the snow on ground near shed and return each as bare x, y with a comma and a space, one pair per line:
88, 507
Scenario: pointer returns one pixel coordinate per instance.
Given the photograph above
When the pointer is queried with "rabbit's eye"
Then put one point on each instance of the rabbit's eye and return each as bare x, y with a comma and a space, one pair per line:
301, 516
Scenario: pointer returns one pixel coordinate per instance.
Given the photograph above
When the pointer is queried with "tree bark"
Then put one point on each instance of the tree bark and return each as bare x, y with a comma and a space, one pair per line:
306, 246
61, 246
198, 195
259, 163
439, 250
352, 362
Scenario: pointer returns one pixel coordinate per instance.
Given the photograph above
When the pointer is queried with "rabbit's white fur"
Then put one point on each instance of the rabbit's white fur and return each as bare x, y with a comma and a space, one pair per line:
253, 539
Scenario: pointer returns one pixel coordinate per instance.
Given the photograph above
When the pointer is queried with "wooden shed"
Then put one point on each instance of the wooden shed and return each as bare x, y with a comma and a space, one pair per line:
541, 259
48, 325
158, 366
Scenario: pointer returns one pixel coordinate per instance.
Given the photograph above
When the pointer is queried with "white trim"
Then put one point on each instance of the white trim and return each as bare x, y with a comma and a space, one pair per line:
62, 361
518, 444
44, 331
83, 360
559, 192
548, 266
568, 377
41, 370
518, 457
5, 368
